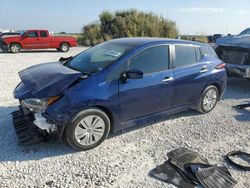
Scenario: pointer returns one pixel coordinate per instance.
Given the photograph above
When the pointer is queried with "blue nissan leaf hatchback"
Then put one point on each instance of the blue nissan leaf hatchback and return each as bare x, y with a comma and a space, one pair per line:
114, 85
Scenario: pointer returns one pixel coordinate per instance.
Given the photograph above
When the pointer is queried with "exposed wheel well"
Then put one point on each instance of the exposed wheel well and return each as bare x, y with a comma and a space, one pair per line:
64, 42
16, 43
218, 87
109, 114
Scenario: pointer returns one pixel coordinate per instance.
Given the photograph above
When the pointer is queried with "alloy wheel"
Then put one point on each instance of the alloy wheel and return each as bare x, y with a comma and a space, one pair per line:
210, 99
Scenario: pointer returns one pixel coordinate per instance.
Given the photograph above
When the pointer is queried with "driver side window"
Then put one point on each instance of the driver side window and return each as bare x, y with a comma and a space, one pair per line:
32, 34
153, 59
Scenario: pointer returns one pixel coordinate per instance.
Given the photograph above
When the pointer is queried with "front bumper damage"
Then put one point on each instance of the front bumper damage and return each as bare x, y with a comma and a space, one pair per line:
32, 128
3, 46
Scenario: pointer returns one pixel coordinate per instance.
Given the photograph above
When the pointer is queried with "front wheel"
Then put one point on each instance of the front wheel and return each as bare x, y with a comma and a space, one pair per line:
88, 129
208, 99
15, 48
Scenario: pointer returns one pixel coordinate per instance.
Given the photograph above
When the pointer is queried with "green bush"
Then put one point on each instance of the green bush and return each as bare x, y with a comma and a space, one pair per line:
127, 23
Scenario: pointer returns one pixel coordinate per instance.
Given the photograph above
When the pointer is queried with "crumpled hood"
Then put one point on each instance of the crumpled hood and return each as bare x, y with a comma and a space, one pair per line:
47, 79
237, 40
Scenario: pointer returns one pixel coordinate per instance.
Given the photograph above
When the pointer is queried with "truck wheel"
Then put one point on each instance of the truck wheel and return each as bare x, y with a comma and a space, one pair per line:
88, 129
208, 99
64, 47
15, 48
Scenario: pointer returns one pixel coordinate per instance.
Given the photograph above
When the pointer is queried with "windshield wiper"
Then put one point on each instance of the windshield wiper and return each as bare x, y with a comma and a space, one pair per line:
63, 59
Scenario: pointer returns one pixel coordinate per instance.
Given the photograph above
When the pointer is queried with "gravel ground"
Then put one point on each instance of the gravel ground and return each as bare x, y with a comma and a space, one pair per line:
123, 160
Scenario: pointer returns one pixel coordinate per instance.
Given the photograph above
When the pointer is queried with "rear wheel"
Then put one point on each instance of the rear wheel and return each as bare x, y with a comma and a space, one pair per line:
15, 48
88, 129
64, 47
208, 99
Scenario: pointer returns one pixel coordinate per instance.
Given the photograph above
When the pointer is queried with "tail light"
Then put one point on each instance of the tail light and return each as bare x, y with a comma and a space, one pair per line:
221, 66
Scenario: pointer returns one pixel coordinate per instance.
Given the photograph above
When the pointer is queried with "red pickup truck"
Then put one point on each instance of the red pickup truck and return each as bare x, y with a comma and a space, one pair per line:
36, 39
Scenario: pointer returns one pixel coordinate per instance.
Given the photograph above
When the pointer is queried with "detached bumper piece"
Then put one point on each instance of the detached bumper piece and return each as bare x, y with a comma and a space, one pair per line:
187, 169
238, 70
27, 132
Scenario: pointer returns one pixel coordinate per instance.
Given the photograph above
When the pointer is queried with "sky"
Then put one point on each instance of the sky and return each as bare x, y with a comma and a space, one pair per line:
191, 16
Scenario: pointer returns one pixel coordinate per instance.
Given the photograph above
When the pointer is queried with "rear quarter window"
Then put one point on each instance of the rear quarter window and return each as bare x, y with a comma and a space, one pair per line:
208, 50
43, 34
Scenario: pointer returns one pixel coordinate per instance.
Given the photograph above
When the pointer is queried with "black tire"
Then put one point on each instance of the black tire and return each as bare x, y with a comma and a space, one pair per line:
70, 131
64, 47
201, 107
15, 48
58, 49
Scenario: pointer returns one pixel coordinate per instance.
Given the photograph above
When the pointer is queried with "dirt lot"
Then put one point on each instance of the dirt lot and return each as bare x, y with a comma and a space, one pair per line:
123, 160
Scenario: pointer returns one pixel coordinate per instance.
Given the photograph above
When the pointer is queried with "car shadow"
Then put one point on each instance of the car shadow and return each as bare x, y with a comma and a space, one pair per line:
11, 151
237, 89
154, 120
243, 114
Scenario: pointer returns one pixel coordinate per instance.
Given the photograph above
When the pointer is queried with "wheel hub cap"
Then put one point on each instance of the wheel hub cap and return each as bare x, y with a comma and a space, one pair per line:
64, 48
89, 130
15, 48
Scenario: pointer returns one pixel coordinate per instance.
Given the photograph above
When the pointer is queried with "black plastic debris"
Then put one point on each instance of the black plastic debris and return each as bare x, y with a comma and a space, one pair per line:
185, 168
242, 156
27, 132
242, 106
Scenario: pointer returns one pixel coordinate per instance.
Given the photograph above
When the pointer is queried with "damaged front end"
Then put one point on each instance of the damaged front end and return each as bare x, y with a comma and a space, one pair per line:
237, 60
31, 123
3, 45
41, 87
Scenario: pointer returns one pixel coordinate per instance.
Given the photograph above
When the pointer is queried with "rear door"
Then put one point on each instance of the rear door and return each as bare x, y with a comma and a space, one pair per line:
154, 92
44, 40
31, 40
189, 74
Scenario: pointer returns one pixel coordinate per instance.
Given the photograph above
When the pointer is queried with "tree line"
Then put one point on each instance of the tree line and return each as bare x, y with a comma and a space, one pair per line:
127, 23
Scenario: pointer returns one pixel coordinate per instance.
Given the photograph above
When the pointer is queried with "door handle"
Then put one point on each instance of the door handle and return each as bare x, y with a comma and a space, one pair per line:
167, 79
203, 69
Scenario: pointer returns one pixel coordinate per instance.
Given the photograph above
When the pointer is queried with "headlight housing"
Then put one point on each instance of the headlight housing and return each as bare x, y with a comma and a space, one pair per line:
38, 105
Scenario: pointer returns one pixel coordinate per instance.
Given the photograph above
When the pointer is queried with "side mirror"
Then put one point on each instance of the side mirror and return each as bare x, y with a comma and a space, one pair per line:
131, 74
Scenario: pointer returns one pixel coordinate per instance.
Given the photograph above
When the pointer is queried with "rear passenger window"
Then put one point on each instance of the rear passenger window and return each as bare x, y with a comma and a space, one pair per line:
43, 34
151, 60
184, 55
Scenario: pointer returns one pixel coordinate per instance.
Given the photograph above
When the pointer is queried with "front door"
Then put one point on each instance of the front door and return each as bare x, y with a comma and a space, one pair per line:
31, 40
154, 92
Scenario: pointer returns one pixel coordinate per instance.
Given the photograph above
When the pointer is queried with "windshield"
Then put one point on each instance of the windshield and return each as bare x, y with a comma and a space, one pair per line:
22, 32
245, 32
98, 57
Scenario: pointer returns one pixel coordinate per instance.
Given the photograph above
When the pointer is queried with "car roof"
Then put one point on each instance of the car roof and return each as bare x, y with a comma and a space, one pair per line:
140, 41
